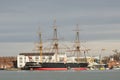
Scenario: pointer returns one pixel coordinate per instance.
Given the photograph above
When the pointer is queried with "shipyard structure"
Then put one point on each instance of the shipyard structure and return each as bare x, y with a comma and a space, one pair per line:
22, 58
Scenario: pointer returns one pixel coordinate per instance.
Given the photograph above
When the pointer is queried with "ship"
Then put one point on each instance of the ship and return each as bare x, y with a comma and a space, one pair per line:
55, 66
78, 63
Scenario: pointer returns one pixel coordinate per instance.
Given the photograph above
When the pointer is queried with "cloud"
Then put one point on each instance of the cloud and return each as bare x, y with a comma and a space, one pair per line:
13, 49
98, 19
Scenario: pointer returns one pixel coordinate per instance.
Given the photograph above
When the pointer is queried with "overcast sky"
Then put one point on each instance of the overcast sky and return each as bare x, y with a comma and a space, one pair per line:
98, 20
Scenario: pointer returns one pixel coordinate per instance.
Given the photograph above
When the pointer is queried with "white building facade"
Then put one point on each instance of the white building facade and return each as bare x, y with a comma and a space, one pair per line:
22, 58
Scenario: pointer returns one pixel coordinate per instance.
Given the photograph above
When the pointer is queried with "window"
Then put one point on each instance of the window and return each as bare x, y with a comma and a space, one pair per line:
21, 61
43, 57
37, 58
20, 58
20, 65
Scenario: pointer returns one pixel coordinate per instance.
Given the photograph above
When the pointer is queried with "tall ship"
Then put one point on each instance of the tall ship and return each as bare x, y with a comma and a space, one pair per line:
59, 61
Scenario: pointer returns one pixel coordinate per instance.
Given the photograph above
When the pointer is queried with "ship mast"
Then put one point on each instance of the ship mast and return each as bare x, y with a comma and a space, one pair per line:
55, 41
77, 43
40, 46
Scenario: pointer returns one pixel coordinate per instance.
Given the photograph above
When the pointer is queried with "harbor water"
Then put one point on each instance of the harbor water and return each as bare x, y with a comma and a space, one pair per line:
60, 75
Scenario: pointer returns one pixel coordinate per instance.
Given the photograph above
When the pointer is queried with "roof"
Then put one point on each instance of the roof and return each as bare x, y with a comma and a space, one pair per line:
36, 54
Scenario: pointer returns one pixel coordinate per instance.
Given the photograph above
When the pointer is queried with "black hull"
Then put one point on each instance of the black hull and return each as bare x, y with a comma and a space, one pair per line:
63, 65
35, 66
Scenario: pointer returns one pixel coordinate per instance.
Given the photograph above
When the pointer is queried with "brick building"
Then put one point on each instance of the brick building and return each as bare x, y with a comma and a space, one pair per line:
8, 62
